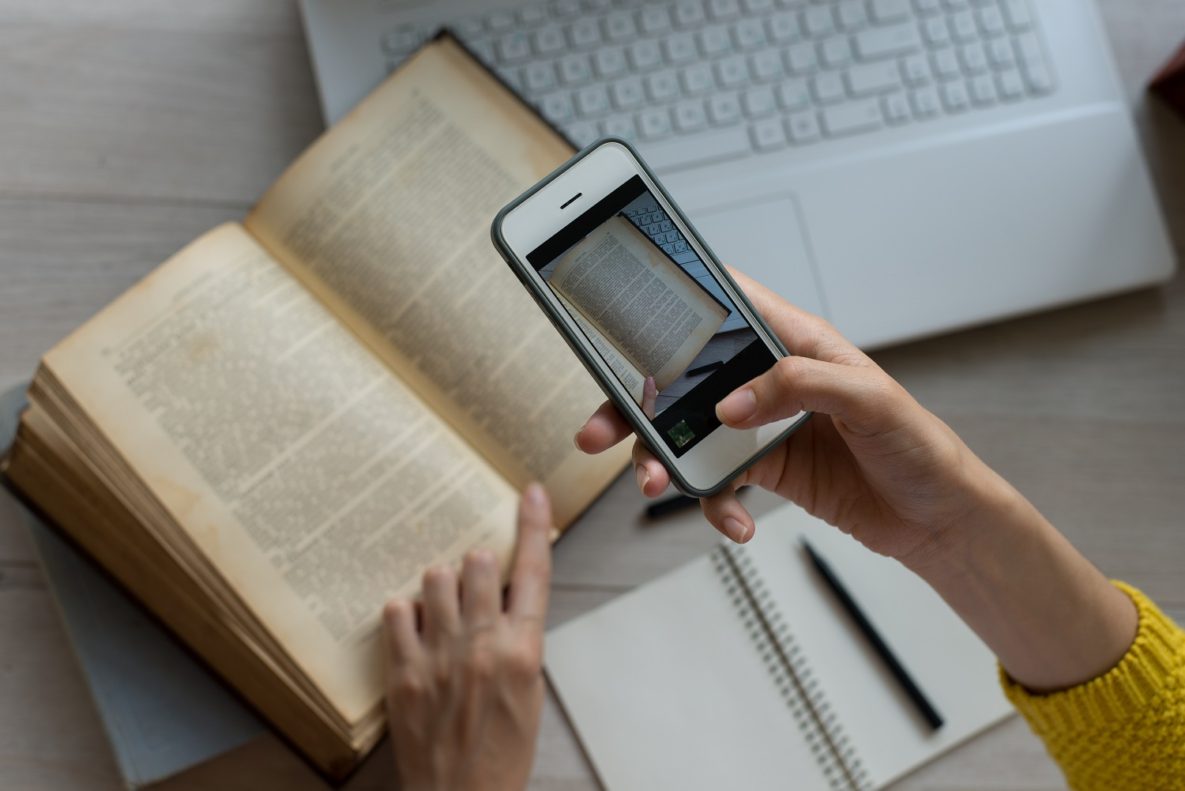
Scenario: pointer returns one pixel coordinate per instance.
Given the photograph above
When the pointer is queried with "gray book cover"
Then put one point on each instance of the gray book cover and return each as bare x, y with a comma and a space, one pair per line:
162, 709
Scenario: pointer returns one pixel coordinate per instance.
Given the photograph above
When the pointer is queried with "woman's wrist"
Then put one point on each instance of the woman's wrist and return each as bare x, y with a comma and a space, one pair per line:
1048, 614
991, 509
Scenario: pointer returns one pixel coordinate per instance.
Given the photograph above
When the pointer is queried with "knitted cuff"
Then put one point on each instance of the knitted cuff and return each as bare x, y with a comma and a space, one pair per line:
1141, 676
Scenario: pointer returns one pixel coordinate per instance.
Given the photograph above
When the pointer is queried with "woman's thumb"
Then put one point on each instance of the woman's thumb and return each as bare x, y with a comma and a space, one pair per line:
859, 395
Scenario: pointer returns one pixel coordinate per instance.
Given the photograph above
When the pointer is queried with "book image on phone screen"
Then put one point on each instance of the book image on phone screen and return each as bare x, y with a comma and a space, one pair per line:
653, 310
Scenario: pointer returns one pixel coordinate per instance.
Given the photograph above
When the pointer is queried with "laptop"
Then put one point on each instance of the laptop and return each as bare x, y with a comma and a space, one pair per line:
901, 167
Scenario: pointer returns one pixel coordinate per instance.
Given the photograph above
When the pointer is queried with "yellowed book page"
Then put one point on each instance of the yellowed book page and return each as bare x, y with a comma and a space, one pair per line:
655, 314
314, 481
631, 378
387, 218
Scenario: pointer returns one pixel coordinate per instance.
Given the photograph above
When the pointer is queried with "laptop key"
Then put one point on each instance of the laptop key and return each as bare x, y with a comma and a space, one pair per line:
889, 10
610, 61
1038, 78
645, 54
585, 32
925, 102
1019, 17
697, 78
828, 87
873, 78
759, 102
575, 69
1010, 84
549, 40
619, 126
1000, 53
848, 119
690, 116
689, 13
724, 143
654, 123
663, 85
557, 107
793, 95
725, 108
783, 27
539, 76
655, 20
954, 97
803, 127
983, 90
627, 93
732, 71
852, 14
679, 48
896, 108
767, 65
768, 135
800, 58
593, 100
974, 58
818, 21
891, 40
749, 34
581, 133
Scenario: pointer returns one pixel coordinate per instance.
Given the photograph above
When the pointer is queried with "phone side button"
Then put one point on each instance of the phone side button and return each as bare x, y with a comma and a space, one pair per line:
707, 147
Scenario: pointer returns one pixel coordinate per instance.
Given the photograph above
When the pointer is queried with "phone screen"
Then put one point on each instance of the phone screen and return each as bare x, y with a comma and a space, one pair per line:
652, 309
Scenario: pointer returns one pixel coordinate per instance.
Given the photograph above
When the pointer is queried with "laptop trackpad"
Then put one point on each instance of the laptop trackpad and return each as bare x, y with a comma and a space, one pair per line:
764, 238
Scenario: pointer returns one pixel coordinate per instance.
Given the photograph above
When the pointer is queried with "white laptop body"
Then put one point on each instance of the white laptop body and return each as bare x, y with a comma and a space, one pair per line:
905, 232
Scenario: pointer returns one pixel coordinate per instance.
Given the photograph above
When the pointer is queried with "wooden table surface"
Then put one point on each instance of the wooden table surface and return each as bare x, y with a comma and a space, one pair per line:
127, 128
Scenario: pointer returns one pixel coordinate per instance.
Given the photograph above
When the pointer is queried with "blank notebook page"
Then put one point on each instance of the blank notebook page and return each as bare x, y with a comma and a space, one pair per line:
666, 691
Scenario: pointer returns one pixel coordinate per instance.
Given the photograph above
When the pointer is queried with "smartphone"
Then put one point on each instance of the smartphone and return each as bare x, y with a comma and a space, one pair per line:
646, 306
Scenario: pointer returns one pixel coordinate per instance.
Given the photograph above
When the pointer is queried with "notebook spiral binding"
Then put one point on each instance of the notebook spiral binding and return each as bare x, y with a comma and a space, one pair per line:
795, 682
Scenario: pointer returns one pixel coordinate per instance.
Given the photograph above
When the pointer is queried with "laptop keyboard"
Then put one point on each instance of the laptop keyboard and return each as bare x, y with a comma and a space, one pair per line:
692, 80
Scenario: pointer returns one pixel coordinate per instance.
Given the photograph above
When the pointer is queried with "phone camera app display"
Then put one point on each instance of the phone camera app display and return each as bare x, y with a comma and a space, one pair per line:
653, 310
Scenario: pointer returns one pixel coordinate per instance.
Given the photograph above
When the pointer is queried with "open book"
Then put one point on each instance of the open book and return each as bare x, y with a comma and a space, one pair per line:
639, 308
282, 425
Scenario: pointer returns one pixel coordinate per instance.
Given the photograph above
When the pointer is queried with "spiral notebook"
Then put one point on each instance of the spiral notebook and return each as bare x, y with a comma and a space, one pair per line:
741, 670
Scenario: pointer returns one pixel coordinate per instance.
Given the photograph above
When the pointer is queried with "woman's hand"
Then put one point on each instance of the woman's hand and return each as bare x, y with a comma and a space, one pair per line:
871, 461
464, 691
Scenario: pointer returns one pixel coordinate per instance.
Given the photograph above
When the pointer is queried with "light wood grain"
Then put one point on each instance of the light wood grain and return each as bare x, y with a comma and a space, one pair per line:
131, 126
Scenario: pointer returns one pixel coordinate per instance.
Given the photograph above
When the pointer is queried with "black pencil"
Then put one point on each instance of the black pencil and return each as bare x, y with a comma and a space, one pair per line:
671, 505
912, 690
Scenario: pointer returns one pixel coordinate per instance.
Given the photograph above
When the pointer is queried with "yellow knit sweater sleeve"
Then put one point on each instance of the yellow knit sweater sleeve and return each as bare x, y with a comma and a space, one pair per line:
1126, 728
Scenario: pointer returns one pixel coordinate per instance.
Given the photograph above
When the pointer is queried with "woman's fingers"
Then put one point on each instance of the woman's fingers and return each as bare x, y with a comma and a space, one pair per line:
864, 400
530, 577
727, 515
399, 631
442, 615
603, 430
649, 397
651, 476
481, 589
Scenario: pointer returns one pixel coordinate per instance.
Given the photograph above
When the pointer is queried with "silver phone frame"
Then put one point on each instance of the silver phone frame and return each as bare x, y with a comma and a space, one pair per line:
739, 448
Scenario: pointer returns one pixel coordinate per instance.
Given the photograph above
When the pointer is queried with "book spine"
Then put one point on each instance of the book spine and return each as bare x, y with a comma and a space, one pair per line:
791, 673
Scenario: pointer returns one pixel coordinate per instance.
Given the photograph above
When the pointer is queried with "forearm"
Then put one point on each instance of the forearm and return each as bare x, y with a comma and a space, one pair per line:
1048, 614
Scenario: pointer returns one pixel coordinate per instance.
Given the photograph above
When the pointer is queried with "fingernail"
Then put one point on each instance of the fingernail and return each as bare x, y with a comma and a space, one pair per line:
735, 529
576, 439
534, 494
643, 476
737, 407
